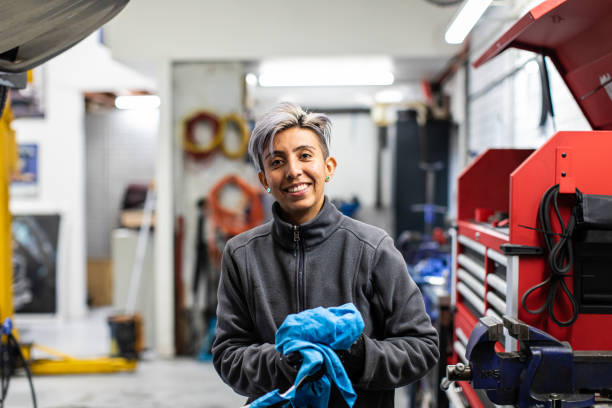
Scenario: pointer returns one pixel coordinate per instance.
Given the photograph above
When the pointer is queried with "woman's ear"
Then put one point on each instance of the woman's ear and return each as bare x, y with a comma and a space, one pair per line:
262, 179
330, 166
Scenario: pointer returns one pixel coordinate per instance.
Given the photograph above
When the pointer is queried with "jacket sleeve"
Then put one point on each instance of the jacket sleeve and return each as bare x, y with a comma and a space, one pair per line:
250, 367
408, 347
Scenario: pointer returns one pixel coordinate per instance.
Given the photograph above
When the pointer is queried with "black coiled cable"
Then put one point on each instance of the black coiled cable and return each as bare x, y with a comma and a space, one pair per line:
560, 258
7, 363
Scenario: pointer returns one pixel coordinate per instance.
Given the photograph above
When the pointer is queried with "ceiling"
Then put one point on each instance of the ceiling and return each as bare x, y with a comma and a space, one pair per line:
407, 32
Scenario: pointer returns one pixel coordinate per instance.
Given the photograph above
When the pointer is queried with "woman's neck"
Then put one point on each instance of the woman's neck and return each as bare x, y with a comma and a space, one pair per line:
300, 217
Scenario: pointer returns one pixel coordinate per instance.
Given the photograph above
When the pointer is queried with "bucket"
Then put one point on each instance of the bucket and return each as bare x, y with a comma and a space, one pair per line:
126, 336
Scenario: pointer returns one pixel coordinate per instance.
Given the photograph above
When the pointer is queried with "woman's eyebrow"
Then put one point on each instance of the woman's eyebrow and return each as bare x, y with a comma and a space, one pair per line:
273, 152
279, 152
303, 147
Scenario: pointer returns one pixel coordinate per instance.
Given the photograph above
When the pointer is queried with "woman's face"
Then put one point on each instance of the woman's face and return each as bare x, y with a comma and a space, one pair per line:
295, 172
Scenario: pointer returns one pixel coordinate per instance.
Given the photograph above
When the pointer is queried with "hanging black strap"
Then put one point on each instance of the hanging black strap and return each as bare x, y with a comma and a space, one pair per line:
560, 257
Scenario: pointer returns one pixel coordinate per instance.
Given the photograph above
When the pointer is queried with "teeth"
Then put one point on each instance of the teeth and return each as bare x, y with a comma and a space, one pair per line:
297, 188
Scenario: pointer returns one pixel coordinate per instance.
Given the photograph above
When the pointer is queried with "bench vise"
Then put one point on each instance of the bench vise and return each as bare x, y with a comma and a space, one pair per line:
544, 372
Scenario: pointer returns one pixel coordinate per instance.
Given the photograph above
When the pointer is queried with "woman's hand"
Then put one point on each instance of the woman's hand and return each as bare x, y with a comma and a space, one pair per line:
294, 359
353, 359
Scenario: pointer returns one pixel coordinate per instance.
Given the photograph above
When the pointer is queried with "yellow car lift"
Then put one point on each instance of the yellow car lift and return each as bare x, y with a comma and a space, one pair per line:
66, 364
63, 363
8, 166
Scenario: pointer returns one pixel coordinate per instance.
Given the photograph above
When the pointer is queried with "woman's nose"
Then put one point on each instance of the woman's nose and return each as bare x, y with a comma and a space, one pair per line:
294, 169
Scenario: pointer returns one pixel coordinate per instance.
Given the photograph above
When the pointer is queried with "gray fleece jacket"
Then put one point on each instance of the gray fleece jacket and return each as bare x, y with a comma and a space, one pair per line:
277, 269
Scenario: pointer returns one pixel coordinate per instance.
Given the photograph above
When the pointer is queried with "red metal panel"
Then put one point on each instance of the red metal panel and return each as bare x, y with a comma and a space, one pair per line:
544, 7
564, 170
465, 320
470, 395
484, 183
592, 164
592, 152
577, 35
533, 31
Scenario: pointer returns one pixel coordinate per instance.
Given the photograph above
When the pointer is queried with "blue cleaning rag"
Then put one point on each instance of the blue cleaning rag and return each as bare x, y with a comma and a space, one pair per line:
315, 334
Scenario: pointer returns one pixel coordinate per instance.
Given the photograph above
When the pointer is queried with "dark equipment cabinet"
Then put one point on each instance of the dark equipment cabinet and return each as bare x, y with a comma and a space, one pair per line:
416, 148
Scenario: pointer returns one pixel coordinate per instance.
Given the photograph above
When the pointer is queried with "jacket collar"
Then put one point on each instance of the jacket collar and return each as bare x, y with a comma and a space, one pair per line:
311, 233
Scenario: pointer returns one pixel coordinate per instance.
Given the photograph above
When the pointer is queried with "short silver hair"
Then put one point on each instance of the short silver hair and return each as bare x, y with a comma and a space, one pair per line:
285, 116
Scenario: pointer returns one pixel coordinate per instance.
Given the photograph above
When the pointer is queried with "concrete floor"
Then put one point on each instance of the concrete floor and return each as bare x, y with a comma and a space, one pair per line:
181, 383
157, 383
173, 383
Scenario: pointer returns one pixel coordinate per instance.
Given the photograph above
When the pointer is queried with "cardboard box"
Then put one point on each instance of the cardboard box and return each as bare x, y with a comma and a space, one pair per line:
99, 282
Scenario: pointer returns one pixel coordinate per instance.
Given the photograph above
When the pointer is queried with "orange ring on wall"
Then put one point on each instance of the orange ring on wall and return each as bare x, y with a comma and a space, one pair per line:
230, 222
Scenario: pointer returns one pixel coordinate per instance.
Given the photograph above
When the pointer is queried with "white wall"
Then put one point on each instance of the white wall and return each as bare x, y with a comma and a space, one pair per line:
508, 115
354, 144
61, 168
60, 136
164, 215
458, 141
120, 150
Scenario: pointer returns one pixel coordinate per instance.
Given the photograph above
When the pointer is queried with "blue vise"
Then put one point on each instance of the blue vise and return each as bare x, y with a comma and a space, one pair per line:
544, 372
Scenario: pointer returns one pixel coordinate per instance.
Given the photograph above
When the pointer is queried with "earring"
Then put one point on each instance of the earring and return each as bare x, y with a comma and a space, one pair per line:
268, 190
327, 178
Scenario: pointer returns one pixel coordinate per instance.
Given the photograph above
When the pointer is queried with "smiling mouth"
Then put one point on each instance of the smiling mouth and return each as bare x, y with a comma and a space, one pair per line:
297, 188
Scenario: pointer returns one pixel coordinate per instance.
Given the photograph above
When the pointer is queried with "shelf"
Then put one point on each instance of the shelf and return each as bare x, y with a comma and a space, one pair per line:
472, 266
464, 319
460, 350
473, 245
497, 283
498, 304
491, 312
481, 283
463, 338
497, 257
472, 299
471, 282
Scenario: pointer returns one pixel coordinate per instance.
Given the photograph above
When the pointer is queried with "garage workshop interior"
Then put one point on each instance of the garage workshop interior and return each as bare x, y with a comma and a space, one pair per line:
347, 203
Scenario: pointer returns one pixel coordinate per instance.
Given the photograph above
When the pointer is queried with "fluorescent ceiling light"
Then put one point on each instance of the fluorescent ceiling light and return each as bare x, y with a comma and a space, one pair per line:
251, 79
325, 78
137, 102
465, 20
326, 71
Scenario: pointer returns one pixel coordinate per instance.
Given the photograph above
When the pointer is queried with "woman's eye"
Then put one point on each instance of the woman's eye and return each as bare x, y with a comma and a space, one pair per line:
275, 163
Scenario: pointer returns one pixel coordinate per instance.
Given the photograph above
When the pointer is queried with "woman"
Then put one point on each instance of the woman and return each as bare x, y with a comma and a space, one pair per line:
311, 255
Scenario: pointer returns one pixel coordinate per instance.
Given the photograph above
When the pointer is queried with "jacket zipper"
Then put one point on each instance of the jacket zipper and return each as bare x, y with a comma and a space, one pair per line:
298, 252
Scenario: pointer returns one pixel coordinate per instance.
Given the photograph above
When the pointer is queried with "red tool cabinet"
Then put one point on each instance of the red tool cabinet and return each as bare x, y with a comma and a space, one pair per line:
577, 36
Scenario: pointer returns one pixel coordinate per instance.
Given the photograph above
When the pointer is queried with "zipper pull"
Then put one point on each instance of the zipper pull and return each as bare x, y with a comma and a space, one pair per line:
296, 233
296, 238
